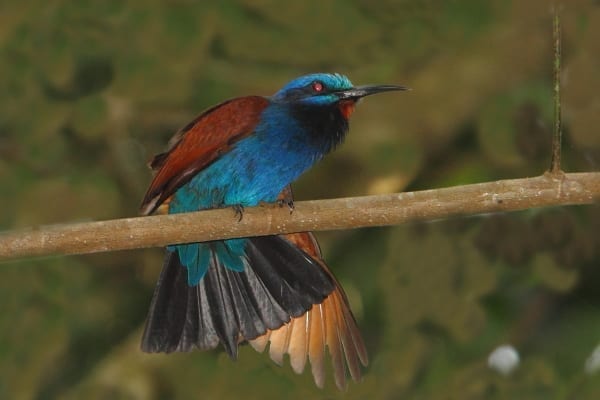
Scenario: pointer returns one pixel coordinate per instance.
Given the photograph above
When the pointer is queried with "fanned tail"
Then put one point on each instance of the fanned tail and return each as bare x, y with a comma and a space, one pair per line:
329, 324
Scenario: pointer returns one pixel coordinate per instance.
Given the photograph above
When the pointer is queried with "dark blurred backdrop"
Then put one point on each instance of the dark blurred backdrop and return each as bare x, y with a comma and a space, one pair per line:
90, 90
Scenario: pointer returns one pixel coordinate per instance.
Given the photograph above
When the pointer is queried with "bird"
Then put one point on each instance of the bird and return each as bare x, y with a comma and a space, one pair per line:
271, 290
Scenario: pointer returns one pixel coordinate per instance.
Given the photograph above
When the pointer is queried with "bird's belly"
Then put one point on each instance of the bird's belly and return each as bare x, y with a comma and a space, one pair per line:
248, 174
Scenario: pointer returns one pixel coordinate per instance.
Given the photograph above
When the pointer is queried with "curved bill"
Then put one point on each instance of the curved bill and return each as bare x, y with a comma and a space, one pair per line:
367, 90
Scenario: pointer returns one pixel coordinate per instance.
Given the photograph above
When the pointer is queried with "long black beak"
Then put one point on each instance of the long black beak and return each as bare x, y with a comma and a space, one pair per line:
362, 91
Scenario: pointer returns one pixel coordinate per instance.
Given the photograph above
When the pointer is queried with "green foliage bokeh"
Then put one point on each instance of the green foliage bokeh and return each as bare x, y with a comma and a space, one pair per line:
89, 90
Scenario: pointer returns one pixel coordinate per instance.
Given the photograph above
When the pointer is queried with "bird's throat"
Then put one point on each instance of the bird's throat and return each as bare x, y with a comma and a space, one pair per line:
347, 107
321, 128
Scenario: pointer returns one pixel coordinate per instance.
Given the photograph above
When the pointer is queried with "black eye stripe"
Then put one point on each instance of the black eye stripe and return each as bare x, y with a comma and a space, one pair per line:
298, 92
301, 92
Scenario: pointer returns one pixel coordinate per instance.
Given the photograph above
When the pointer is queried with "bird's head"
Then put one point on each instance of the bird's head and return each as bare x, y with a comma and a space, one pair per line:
325, 90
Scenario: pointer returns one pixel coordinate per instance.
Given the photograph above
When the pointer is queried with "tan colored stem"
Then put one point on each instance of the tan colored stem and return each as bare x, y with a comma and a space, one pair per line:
345, 213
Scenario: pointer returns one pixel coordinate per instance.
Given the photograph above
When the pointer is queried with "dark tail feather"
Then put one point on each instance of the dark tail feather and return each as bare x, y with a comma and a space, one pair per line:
280, 282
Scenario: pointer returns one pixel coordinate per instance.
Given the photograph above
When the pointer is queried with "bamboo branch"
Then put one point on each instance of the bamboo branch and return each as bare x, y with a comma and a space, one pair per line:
344, 213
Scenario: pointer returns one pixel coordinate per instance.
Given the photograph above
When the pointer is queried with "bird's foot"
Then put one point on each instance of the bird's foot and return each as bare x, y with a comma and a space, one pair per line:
239, 211
286, 202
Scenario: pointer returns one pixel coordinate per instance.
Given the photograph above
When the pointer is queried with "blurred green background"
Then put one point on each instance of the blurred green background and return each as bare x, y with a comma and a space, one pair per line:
90, 90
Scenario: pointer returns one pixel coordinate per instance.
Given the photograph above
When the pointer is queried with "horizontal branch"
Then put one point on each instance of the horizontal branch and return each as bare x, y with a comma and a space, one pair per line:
344, 213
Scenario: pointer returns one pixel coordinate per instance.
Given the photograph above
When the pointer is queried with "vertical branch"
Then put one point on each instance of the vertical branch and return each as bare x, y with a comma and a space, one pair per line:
557, 135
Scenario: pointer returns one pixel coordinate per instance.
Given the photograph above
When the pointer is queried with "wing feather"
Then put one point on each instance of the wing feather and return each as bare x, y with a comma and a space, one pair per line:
200, 143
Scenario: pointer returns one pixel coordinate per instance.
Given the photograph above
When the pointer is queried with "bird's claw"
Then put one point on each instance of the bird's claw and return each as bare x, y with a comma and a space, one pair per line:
239, 211
287, 202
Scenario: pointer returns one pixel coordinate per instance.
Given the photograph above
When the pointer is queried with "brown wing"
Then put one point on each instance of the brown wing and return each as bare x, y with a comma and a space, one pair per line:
329, 324
199, 143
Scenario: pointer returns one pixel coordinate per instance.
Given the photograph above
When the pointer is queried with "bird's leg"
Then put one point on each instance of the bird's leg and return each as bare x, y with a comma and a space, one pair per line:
239, 211
286, 197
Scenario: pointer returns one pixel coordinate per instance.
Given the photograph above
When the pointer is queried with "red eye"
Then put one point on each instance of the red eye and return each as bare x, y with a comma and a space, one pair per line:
317, 86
